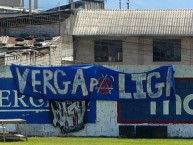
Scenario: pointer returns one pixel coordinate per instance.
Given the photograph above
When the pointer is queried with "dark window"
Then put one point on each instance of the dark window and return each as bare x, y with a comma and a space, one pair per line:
167, 50
108, 51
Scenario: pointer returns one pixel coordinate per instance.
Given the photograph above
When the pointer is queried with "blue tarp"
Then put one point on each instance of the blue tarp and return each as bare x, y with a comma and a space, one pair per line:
34, 110
93, 82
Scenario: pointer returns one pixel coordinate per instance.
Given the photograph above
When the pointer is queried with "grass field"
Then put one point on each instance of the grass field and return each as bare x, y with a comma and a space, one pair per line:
96, 141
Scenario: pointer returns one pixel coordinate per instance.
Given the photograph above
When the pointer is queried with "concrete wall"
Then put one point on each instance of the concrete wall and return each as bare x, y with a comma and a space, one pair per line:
106, 111
11, 3
10, 15
46, 56
136, 50
34, 30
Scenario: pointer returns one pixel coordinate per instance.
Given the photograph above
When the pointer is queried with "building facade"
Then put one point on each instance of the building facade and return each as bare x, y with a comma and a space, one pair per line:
133, 41
169, 118
134, 37
57, 22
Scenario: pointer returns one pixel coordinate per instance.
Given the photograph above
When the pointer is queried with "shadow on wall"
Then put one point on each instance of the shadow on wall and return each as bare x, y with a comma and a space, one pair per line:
129, 131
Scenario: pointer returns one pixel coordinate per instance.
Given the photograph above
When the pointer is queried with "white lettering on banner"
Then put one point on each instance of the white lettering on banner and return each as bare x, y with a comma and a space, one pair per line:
35, 82
179, 104
159, 86
93, 83
19, 99
22, 79
186, 104
48, 75
36, 105
122, 93
79, 81
66, 84
166, 109
139, 78
4, 100
169, 83
11, 99
56, 82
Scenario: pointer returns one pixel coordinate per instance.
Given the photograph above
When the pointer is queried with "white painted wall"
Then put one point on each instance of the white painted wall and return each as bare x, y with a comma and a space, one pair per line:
106, 120
136, 50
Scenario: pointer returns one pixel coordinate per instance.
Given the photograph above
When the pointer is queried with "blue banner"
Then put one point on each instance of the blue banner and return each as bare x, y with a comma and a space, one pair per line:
169, 111
34, 110
93, 82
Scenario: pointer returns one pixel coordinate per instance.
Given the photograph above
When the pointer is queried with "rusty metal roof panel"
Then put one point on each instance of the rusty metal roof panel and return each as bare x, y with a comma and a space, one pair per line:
134, 22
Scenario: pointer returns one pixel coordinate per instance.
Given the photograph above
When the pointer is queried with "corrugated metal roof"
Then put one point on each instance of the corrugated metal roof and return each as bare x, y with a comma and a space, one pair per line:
134, 22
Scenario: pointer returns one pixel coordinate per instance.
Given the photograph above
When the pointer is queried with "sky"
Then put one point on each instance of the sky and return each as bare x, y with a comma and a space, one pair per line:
151, 4
134, 4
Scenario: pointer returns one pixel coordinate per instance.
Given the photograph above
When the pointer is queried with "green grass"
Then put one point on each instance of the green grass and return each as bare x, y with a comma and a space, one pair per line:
96, 141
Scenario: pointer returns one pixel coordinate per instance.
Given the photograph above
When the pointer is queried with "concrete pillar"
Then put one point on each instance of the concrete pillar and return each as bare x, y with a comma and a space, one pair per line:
141, 51
72, 6
30, 7
35, 4
191, 51
21, 3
